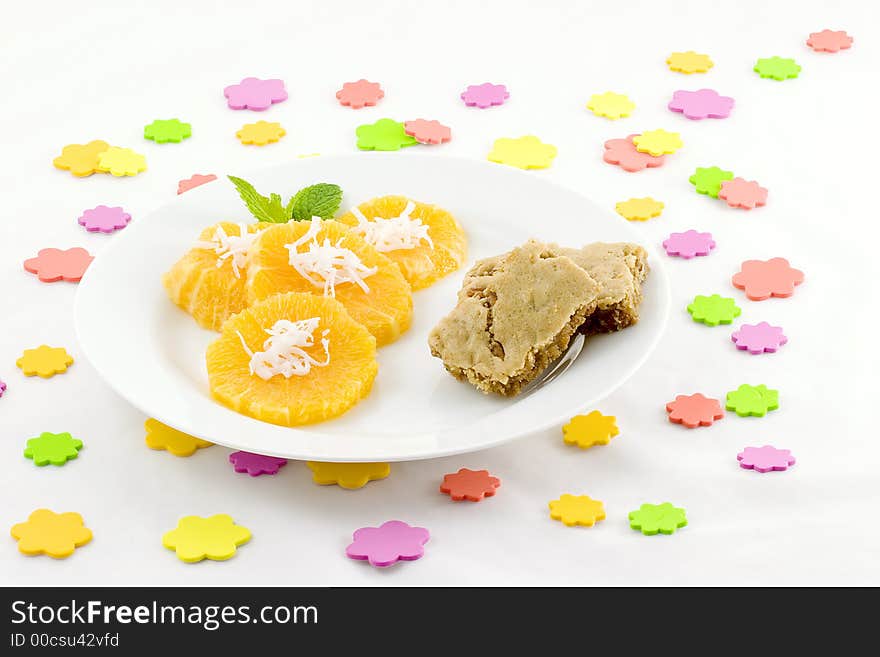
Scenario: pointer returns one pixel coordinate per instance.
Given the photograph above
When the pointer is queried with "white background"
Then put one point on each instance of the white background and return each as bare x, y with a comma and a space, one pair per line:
91, 70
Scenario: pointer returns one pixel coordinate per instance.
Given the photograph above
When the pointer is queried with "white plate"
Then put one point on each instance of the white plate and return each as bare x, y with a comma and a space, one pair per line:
152, 353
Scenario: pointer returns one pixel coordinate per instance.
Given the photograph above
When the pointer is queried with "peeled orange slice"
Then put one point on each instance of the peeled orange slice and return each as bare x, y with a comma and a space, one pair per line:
209, 281
292, 359
424, 240
326, 258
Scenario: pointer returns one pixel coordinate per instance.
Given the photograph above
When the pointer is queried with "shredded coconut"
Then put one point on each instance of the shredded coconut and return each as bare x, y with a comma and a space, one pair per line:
401, 232
226, 246
331, 263
283, 351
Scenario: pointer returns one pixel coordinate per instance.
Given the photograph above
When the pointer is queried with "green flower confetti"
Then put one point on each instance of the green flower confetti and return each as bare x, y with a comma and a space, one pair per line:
162, 131
713, 310
657, 518
708, 180
54, 448
383, 135
752, 400
777, 68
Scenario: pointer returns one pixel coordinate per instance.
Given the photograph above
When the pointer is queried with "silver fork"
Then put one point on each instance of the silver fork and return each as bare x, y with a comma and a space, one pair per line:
558, 367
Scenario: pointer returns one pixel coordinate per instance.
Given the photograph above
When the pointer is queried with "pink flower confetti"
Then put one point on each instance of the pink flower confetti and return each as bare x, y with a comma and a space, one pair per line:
104, 219
829, 41
389, 543
689, 244
427, 132
256, 464
702, 104
2, 387
762, 279
255, 94
765, 459
360, 94
194, 181
741, 193
759, 338
623, 153
485, 95
694, 411
52, 265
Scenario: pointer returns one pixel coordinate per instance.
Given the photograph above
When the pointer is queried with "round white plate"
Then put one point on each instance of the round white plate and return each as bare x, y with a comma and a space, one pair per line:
152, 353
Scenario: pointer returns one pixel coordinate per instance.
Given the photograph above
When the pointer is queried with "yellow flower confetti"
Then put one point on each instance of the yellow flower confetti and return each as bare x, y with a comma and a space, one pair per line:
260, 133
639, 209
54, 534
121, 162
161, 436
575, 510
81, 159
689, 62
527, 152
348, 475
44, 361
611, 105
215, 537
591, 429
658, 142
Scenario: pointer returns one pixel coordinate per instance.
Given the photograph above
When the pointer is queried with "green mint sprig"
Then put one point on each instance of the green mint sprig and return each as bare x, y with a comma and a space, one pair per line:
320, 200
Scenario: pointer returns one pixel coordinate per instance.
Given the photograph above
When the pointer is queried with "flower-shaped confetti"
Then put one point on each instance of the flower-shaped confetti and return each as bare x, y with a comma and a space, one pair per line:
193, 181
590, 429
255, 94
256, 464
163, 131
121, 162
702, 104
762, 279
708, 180
471, 485
104, 219
215, 537
611, 105
749, 400
829, 41
654, 519
81, 159
639, 209
689, 244
347, 475
54, 448
625, 154
758, 338
383, 135
713, 310
2, 387
765, 459
54, 534
777, 68
527, 152
161, 436
742, 193
52, 265
658, 142
689, 62
485, 95
694, 410
427, 132
575, 510
45, 361
260, 133
360, 94
389, 543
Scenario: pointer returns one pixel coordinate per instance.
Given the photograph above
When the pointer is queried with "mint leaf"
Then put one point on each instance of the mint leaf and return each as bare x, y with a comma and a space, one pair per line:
263, 209
321, 200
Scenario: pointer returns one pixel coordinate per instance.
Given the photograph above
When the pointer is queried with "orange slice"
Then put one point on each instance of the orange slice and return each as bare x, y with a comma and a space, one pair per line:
385, 307
425, 263
323, 392
208, 292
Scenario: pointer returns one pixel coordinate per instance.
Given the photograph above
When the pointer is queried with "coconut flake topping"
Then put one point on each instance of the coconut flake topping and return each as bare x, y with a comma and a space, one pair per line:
330, 263
401, 232
234, 247
283, 351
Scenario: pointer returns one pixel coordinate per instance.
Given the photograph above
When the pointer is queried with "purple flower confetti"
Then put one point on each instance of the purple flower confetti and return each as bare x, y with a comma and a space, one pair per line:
759, 338
2, 387
485, 95
256, 464
702, 104
104, 219
389, 543
765, 459
689, 244
255, 94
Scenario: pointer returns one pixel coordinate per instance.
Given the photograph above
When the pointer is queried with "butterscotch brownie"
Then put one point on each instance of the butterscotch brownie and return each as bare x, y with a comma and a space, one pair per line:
514, 317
